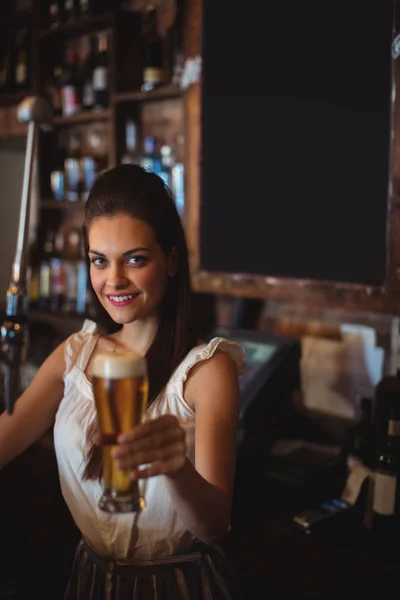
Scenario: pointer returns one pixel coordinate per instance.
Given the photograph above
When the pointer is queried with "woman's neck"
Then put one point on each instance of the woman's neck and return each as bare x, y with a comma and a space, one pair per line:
139, 335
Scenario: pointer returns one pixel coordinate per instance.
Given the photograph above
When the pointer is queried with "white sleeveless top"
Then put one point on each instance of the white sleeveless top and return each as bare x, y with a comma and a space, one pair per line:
157, 532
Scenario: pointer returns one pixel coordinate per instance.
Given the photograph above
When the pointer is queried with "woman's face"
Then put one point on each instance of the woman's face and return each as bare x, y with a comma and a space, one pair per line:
128, 269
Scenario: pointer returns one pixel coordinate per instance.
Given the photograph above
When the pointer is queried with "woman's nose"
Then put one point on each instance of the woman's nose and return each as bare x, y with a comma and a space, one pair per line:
116, 276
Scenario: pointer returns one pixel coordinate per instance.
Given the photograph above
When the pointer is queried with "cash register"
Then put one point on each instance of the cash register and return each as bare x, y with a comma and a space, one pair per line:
271, 376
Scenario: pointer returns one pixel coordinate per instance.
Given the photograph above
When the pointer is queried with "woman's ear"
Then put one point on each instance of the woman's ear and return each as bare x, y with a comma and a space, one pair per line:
172, 263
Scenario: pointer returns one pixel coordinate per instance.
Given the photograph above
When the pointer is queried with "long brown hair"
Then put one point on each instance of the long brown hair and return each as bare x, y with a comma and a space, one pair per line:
131, 190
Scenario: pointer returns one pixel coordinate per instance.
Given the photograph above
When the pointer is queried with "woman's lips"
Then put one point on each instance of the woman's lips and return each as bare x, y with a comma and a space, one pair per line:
121, 299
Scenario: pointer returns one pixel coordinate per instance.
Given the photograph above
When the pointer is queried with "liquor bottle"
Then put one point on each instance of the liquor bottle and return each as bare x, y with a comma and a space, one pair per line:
100, 74
57, 274
70, 12
6, 72
386, 496
22, 53
45, 273
53, 89
88, 98
70, 86
152, 51
174, 44
166, 165
131, 155
71, 254
150, 160
54, 17
178, 176
33, 273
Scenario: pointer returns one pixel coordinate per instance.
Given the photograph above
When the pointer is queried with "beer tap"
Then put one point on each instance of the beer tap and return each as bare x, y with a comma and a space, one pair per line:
14, 330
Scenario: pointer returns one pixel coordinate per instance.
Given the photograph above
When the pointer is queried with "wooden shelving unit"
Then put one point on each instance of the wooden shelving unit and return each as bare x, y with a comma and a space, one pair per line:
157, 113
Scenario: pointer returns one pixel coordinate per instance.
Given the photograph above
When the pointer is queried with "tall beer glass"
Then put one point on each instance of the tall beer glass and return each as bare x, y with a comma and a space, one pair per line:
121, 391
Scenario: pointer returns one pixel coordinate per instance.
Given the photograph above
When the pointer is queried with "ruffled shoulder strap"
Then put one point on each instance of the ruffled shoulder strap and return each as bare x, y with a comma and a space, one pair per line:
79, 346
204, 352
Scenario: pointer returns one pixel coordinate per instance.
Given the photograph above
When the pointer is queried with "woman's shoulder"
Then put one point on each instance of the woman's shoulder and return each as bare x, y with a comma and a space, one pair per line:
217, 351
76, 342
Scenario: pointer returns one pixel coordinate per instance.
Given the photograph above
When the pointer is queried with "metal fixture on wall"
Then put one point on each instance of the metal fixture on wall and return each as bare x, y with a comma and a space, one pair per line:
34, 111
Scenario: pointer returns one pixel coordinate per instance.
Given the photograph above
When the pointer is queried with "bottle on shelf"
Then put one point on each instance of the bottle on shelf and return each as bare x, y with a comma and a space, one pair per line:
53, 89
178, 176
166, 164
386, 490
151, 160
6, 72
33, 273
174, 44
70, 256
88, 65
131, 154
54, 14
101, 74
70, 86
22, 53
152, 51
45, 271
69, 11
57, 274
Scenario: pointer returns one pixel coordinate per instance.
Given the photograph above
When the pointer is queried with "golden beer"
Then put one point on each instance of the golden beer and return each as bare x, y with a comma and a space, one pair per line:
121, 390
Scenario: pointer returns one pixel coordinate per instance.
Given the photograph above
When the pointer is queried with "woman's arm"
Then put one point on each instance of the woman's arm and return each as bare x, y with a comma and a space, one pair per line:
35, 409
202, 496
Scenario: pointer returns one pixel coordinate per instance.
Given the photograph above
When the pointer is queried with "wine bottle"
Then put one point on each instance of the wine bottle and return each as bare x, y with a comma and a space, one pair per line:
100, 74
70, 12
151, 160
152, 51
386, 496
44, 274
131, 147
22, 68
70, 88
88, 98
54, 14
6, 72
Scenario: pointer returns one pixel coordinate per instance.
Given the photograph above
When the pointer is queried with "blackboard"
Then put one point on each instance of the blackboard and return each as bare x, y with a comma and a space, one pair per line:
295, 127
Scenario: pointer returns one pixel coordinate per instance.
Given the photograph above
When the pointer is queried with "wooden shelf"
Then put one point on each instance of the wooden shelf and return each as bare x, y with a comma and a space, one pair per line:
85, 25
84, 117
161, 93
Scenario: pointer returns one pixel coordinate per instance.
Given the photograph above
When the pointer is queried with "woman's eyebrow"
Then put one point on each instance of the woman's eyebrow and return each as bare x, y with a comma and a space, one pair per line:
127, 253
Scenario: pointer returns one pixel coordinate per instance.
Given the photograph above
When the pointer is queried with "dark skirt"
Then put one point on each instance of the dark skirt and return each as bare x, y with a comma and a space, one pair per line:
203, 573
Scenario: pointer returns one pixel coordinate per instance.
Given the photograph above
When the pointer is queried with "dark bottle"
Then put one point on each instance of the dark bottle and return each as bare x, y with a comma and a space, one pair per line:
57, 274
6, 72
33, 273
70, 86
101, 74
131, 154
387, 394
54, 14
386, 497
22, 54
45, 271
174, 44
152, 51
88, 66
53, 89
70, 11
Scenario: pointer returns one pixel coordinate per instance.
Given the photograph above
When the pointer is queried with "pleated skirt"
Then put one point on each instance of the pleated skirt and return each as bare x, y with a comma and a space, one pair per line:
203, 573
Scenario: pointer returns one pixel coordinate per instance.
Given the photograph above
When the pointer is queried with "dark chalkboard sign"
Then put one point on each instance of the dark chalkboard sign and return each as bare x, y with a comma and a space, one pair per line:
296, 121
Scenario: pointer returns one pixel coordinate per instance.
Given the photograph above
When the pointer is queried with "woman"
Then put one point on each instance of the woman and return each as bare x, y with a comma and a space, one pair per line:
139, 274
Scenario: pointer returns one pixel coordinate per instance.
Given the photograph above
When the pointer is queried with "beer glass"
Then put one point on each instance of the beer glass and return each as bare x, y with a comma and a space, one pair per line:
121, 390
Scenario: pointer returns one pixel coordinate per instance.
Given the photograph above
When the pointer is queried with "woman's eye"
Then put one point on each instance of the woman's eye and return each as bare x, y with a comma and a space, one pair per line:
136, 260
98, 262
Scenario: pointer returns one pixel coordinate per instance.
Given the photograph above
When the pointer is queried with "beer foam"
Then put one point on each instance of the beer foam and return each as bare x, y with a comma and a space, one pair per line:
113, 365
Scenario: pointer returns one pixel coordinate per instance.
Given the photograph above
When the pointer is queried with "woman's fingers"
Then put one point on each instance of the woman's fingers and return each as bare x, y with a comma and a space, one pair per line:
155, 455
168, 467
151, 441
150, 427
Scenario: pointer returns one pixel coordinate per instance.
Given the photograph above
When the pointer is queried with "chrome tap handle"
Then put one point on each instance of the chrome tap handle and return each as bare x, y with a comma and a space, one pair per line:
14, 330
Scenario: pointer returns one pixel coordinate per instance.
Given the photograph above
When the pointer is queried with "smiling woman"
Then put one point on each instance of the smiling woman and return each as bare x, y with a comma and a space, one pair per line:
184, 448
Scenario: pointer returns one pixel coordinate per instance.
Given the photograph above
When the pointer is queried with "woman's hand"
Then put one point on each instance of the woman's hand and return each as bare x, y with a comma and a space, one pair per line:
159, 443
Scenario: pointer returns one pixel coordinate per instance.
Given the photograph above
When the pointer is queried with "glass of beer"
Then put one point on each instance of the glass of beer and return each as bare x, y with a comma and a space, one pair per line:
121, 390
